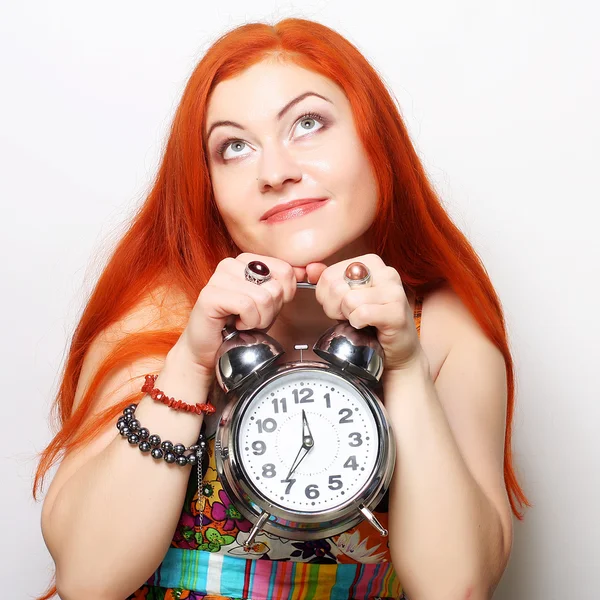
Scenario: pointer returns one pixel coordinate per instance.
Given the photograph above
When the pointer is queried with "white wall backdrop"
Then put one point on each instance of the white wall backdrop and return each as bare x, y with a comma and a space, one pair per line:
501, 100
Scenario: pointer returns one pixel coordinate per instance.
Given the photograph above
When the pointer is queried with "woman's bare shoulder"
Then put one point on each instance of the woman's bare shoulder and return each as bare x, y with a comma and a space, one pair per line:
444, 317
161, 308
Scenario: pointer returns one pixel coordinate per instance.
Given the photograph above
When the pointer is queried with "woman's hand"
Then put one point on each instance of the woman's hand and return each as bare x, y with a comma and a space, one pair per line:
383, 305
229, 293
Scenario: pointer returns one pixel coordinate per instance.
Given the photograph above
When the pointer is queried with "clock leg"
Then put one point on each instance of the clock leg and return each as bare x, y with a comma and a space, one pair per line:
373, 520
256, 529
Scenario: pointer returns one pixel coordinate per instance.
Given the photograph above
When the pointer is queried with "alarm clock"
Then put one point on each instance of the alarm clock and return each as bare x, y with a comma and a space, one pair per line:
304, 449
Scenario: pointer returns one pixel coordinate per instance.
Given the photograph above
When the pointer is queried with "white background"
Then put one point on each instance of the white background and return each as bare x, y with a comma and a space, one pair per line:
501, 100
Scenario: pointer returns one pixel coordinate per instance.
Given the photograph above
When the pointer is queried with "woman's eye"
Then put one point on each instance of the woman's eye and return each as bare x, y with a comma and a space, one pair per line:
232, 148
308, 123
235, 145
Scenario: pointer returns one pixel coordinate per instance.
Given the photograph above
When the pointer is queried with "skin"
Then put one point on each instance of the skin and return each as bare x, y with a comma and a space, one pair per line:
449, 515
272, 161
451, 432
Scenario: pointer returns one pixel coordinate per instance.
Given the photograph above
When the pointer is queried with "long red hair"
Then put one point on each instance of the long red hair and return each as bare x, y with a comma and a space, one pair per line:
177, 238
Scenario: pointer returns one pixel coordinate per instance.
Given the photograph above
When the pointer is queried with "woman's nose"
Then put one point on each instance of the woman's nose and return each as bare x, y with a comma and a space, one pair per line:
277, 167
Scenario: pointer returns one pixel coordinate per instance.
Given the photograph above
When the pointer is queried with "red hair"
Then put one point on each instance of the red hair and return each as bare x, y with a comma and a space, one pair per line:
177, 237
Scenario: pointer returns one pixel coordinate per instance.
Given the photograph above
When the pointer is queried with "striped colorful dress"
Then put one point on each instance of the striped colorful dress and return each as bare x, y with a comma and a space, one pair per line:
211, 563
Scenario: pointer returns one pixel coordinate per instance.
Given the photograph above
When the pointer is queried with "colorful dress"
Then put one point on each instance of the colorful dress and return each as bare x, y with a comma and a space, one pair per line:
211, 563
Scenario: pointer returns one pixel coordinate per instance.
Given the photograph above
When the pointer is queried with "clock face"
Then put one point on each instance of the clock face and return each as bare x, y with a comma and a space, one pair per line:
308, 441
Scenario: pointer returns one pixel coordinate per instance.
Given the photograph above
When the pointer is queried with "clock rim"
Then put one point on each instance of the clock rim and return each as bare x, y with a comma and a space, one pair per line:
313, 524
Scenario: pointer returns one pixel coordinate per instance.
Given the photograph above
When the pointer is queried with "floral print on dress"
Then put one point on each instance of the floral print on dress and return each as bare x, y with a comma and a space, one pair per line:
215, 540
318, 549
227, 512
211, 486
357, 550
256, 550
224, 529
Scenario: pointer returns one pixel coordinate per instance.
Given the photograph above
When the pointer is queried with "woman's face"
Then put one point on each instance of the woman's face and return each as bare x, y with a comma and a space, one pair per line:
289, 135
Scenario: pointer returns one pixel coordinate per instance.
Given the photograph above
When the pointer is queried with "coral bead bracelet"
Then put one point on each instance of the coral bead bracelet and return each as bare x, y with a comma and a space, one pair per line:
160, 396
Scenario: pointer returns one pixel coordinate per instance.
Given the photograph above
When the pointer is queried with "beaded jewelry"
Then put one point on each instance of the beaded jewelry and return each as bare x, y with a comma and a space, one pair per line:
131, 429
160, 396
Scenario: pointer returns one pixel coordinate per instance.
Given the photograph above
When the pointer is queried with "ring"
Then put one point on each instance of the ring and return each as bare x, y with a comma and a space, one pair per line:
357, 275
257, 272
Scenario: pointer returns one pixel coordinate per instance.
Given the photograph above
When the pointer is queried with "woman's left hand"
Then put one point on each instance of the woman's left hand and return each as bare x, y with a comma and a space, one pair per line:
383, 305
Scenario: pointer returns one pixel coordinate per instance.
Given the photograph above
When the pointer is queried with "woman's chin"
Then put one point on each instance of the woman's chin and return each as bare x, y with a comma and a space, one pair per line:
303, 259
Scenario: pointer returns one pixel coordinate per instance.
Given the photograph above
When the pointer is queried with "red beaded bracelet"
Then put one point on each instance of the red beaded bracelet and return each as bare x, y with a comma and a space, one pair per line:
160, 396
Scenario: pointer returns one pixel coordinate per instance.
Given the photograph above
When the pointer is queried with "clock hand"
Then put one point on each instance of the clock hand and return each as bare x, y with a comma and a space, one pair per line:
306, 450
303, 452
307, 438
307, 444
296, 462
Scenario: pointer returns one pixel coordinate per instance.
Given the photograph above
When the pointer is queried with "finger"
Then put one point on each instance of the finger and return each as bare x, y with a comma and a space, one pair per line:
300, 273
267, 299
218, 305
332, 289
353, 298
314, 271
331, 285
279, 269
235, 270
388, 319
331, 300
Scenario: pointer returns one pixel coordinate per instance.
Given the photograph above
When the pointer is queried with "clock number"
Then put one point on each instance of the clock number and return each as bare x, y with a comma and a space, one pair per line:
335, 482
259, 447
276, 402
328, 400
269, 470
351, 463
347, 413
357, 441
312, 491
269, 425
306, 396
290, 483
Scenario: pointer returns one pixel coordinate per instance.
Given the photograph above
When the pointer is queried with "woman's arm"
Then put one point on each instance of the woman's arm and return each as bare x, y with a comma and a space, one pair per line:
449, 516
110, 513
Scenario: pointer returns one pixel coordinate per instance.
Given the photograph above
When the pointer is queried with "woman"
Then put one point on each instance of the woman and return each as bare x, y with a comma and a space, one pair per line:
274, 115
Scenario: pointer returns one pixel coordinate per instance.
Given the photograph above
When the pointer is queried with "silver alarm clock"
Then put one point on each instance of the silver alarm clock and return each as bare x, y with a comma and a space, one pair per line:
303, 449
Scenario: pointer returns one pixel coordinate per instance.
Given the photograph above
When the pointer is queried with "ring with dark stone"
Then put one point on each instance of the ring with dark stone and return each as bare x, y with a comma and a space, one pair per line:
257, 272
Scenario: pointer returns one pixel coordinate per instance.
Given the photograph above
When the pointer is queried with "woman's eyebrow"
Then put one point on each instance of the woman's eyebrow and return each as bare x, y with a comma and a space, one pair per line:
280, 114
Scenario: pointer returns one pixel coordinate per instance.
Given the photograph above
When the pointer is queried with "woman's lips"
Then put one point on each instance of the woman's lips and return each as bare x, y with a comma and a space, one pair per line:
298, 211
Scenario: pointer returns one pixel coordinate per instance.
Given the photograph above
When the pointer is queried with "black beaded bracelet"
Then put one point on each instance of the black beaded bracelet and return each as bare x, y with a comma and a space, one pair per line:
131, 428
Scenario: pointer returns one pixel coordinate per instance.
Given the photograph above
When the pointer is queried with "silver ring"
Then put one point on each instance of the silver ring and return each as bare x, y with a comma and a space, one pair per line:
257, 272
357, 275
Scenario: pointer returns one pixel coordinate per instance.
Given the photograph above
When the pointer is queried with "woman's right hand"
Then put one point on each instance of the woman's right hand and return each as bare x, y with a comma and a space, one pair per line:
229, 293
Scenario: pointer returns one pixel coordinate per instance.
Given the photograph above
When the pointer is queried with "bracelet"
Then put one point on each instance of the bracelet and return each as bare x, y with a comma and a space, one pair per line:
160, 396
131, 428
